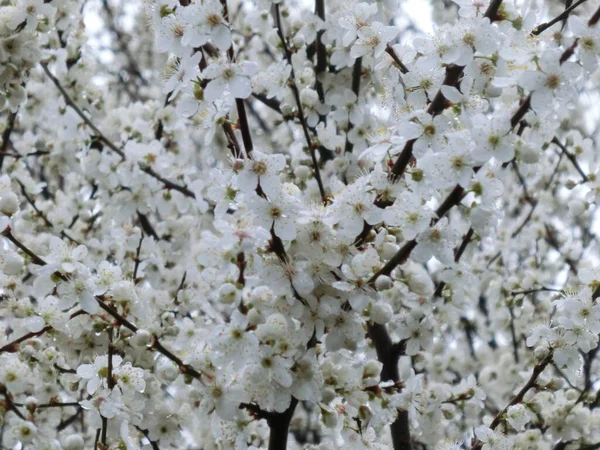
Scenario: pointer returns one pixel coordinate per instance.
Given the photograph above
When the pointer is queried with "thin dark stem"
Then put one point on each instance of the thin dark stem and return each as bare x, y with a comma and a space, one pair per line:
147, 226
356, 89
532, 291
311, 147
513, 333
244, 127
595, 18
122, 43
531, 383
390, 51
69, 101
10, 126
169, 184
458, 252
10, 406
321, 51
153, 444
34, 258
110, 381
544, 26
64, 424
185, 369
571, 158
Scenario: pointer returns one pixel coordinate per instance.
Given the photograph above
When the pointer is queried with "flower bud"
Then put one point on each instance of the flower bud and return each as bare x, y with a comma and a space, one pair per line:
577, 207
166, 370
540, 352
275, 327
168, 318
13, 263
365, 414
302, 172
328, 395
372, 369
555, 384
383, 283
228, 293
74, 442
571, 395
142, 338
389, 249
381, 313
529, 155
298, 41
255, 317
9, 203
287, 109
329, 418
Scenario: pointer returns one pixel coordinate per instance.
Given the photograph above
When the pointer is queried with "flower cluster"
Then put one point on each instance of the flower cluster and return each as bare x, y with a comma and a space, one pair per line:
264, 223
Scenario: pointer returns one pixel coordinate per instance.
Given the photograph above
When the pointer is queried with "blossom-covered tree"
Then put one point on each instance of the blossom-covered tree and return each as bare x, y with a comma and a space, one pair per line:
285, 224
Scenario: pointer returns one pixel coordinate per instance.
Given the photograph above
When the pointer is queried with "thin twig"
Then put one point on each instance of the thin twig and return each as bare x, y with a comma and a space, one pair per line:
294, 87
544, 26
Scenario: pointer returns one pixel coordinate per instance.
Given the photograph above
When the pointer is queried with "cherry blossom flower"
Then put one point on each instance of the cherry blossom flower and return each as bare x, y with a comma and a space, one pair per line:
372, 38
228, 77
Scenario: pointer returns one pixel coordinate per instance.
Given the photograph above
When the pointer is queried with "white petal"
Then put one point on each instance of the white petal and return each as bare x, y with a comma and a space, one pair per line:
222, 37
240, 87
214, 89
88, 303
285, 229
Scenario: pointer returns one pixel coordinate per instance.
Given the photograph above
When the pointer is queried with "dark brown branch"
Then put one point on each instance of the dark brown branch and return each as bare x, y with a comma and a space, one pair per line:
147, 226
153, 444
388, 354
492, 11
390, 51
437, 106
595, 18
13, 346
270, 102
279, 426
513, 333
64, 424
244, 127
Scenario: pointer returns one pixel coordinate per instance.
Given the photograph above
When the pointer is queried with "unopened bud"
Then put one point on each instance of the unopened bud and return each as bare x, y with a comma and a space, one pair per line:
9, 204
74, 442
381, 313
142, 338
383, 283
